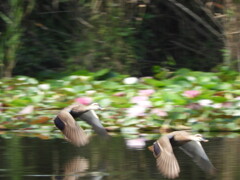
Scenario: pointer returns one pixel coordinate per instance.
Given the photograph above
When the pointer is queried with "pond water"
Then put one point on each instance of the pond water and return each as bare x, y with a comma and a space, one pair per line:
33, 158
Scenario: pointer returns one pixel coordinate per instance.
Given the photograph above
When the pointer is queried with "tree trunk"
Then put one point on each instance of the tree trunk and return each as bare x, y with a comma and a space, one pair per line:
10, 41
232, 33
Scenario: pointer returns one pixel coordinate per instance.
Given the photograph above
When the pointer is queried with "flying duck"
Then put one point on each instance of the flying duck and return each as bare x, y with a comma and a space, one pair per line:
65, 121
166, 161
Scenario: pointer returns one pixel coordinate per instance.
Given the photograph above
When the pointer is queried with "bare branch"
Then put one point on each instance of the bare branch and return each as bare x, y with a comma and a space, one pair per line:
196, 17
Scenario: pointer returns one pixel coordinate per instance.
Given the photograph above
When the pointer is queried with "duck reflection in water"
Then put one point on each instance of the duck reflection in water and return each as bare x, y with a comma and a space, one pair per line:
74, 169
65, 121
137, 143
77, 168
190, 144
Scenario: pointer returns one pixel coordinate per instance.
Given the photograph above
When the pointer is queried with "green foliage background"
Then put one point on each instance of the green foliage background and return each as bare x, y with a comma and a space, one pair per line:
43, 38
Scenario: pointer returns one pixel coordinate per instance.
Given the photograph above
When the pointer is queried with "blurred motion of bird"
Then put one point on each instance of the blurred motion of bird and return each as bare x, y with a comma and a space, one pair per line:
166, 161
65, 121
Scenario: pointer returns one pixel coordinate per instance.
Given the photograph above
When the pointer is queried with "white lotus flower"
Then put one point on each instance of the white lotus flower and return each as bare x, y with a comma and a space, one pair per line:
130, 80
44, 86
217, 105
205, 102
90, 92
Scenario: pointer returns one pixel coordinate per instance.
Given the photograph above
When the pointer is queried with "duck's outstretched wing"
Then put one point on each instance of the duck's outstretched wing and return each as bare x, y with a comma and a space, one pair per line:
195, 150
91, 118
72, 131
165, 158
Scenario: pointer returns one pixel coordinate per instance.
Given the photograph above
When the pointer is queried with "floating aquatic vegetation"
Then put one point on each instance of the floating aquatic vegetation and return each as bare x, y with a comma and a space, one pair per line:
200, 100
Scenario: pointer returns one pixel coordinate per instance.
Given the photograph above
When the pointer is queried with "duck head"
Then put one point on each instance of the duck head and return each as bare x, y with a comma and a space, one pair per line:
198, 137
91, 118
95, 106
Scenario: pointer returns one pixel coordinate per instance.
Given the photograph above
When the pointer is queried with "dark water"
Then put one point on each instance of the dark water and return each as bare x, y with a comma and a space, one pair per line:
23, 158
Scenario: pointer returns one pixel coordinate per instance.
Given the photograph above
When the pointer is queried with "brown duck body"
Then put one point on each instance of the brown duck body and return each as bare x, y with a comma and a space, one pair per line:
165, 159
65, 121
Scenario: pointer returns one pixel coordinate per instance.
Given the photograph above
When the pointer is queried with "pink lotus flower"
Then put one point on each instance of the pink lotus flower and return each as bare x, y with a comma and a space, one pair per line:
159, 112
145, 104
136, 111
146, 92
191, 93
142, 101
84, 100
227, 104
194, 106
137, 99
27, 110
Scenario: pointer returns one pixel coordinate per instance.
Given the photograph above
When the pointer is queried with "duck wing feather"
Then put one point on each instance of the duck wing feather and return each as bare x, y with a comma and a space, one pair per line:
166, 160
195, 150
69, 127
91, 118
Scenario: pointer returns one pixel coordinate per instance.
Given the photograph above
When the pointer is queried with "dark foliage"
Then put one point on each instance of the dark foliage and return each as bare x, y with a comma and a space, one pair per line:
125, 36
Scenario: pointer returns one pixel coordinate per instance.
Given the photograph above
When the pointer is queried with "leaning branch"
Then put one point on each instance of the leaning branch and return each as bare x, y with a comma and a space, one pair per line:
197, 18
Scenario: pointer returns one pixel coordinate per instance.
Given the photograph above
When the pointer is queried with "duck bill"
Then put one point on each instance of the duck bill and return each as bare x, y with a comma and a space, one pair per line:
204, 139
91, 118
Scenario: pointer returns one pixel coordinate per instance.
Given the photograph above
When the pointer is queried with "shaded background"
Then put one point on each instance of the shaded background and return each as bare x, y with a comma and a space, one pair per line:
42, 38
